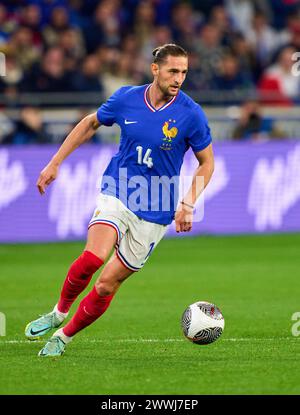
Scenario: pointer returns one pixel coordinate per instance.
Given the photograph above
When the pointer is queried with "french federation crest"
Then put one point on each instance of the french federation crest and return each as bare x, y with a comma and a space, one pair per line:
170, 133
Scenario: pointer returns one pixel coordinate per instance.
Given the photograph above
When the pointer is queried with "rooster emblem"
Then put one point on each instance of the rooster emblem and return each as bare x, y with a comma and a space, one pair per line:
169, 133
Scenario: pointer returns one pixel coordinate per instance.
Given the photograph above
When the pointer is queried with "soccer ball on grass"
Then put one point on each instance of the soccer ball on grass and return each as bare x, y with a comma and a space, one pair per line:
202, 322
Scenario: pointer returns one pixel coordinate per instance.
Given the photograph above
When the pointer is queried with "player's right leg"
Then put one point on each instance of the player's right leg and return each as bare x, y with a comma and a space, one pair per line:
100, 241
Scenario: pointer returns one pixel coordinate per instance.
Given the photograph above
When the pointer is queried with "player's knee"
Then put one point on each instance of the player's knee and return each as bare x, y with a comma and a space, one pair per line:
106, 287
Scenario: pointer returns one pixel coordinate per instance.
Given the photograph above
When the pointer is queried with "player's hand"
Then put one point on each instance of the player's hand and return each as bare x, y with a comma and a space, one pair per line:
184, 219
47, 175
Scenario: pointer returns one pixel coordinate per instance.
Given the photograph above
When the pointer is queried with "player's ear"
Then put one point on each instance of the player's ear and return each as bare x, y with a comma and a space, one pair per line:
154, 69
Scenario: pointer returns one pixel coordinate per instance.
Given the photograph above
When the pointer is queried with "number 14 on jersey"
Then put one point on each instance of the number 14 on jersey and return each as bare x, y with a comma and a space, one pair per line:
147, 159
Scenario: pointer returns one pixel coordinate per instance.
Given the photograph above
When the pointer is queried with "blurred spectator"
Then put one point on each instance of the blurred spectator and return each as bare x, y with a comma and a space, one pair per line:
119, 73
231, 78
50, 75
58, 23
219, 17
197, 78
130, 45
105, 27
278, 85
245, 55
29, 129
108, 57
21, 46
141, 65
264, 39
144, 23
31, 18
88, 79
72, 46
209, 50
185, 23
160, 36
293, 31
252, 125
242, 12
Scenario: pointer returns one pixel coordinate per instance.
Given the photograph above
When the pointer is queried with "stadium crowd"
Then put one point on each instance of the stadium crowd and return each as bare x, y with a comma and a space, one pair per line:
98, 45
239, 50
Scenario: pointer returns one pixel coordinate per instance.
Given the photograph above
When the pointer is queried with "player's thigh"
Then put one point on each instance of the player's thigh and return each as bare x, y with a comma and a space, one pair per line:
112, 276
139, 242
100, 240
107, 226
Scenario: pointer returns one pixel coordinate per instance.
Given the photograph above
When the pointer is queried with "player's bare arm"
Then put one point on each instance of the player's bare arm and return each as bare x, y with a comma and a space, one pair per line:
81, 133
184, 214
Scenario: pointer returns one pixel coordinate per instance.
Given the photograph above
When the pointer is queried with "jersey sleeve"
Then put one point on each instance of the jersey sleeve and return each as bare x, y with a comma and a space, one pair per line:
199, 137
107, 112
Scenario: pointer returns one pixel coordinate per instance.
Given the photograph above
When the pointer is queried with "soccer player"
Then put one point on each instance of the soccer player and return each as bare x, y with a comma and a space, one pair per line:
159, 123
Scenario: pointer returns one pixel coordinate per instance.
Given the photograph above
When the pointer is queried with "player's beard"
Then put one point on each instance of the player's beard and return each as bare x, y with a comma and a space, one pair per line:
167, 93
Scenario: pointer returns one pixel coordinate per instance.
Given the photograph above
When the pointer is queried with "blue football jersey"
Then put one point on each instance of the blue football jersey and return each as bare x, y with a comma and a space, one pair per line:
144, 174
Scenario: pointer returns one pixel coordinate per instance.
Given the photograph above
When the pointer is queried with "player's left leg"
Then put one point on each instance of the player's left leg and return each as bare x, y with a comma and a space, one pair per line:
133, 251
91, 307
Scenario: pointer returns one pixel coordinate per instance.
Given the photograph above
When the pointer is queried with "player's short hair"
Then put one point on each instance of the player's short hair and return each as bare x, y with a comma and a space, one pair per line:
161, 53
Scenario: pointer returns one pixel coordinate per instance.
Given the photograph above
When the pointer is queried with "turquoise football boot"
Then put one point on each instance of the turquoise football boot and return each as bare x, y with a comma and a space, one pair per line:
53, 348
38, 328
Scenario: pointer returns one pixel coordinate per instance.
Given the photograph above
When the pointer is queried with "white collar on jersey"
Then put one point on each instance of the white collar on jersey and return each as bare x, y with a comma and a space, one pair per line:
149, 104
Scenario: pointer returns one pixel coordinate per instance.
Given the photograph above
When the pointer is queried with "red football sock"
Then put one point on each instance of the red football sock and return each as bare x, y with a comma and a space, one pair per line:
90, 308
78, 278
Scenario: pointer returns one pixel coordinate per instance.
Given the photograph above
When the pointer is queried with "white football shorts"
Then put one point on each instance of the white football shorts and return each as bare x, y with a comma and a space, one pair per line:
136, 237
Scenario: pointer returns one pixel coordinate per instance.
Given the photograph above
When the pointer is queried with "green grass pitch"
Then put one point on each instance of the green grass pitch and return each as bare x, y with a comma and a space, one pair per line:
137, 346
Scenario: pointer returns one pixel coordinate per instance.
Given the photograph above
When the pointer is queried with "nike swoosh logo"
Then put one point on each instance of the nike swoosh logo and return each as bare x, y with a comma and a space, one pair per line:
72, 283
130, 122
36, 332
85, 310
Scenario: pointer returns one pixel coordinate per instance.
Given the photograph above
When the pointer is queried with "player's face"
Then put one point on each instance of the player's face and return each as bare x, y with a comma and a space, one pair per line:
170, 74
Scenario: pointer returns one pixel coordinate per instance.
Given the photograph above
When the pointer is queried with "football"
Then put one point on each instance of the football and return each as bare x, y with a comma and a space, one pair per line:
202, 322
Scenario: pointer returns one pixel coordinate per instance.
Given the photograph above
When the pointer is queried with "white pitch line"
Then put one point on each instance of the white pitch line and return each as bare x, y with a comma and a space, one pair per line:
246, 339
250, 339
237, 339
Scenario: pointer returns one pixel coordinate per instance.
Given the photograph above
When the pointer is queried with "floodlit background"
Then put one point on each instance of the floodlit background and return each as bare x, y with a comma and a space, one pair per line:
59, 60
